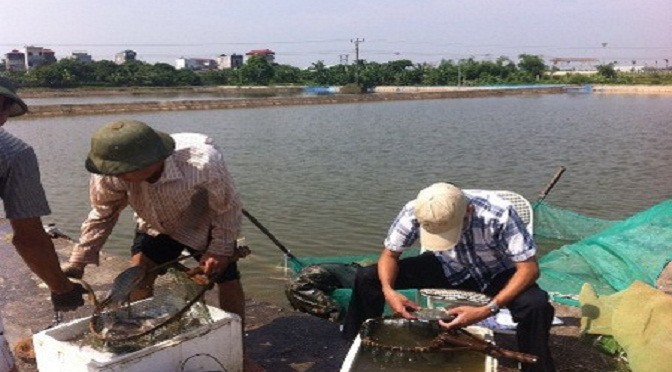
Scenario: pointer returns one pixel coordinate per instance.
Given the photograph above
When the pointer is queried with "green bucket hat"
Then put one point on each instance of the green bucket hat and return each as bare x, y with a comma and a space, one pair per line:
8, 90
125, 146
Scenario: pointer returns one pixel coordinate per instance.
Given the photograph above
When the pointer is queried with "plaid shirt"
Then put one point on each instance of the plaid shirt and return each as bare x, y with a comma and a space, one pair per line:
194, 202
492, 241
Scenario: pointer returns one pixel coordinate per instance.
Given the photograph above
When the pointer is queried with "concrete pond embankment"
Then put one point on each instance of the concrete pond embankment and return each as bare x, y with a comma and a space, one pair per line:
219, 104
255, 97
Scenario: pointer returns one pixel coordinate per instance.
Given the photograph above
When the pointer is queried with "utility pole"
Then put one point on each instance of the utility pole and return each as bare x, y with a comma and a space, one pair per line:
343, 59
459, 74
356, 41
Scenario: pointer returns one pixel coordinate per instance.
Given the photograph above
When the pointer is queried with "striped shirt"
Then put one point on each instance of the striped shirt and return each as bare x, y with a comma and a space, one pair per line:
194, 202
20, 187
492, 241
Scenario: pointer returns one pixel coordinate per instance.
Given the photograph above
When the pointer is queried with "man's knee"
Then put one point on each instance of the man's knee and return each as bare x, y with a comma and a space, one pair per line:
367, 277
534, 302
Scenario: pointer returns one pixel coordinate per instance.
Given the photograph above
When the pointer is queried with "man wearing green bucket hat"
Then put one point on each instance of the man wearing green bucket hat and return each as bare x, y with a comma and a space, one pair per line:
183, 198
25, 203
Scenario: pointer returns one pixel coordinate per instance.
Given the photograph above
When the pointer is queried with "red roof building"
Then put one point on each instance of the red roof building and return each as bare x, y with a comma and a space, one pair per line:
267, 54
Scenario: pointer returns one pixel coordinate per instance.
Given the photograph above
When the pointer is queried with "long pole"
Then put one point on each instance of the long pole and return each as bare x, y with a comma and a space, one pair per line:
551, 184
268, 234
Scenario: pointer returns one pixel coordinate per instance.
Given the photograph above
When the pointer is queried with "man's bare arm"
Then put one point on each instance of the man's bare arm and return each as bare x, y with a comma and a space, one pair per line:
526, 274
388, 268
37, 250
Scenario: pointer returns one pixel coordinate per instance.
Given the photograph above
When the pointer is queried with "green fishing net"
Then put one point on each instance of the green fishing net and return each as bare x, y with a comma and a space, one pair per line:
637, 248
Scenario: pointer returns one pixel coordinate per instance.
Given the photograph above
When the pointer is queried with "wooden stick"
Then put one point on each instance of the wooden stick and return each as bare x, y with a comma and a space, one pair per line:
550, 185
264, 230
476, 344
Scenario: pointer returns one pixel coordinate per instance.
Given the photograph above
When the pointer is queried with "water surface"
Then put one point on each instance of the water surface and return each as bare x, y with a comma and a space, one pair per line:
329, 179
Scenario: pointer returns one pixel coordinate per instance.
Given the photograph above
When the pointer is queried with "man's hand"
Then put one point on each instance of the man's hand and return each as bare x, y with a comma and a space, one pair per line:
214, 264
465, 316
401, 305
74, 270
69, 300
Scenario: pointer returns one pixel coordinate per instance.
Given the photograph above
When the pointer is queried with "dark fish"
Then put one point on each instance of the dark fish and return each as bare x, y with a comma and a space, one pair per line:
127, 327
433, 315
122, 287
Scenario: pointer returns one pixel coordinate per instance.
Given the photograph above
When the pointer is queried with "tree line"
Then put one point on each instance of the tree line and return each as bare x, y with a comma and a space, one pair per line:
529, 69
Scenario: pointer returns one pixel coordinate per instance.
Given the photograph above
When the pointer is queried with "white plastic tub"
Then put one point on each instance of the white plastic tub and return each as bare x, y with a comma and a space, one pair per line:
206, 348
350, 362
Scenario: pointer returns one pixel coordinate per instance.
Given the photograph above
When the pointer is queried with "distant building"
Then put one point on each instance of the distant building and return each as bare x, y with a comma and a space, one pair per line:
81, 56
15, 61
122, 57
267, 54
195, 64
233, 61
575, 64
38, 56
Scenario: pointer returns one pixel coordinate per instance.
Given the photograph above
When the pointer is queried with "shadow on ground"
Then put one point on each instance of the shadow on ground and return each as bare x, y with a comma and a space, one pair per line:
297, 343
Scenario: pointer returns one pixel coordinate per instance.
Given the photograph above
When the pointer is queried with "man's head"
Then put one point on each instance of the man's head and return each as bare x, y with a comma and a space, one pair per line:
440, 210
128, 147
10, 104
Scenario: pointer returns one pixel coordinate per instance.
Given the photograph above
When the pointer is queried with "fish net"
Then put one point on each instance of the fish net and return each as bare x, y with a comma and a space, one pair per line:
175, 306
610, 260
401, 344
556, 223
394, 340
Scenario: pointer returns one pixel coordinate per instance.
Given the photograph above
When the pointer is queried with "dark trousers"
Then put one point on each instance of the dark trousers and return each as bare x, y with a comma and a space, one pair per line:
531, 309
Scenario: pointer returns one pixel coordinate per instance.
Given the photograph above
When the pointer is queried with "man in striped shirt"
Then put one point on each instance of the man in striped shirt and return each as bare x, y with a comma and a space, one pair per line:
182, 195
25, 203
471, 243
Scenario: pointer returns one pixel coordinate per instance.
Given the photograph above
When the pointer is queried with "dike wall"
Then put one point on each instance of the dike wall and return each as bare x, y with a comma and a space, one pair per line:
220, 104
633, 89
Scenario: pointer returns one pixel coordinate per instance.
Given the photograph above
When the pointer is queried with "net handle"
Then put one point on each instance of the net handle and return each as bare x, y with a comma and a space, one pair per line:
551, 184
264, 230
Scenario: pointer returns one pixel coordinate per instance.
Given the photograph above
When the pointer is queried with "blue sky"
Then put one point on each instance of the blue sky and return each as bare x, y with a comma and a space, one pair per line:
302, 32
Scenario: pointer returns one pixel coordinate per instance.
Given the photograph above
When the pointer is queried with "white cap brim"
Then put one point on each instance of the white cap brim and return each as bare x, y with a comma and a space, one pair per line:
443, 241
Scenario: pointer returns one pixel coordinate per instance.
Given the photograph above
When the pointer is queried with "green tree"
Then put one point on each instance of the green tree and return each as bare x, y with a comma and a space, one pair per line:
286, 74
256, 71
159, 74
319, 74
103, 71
227, 76
607, 71
532, 65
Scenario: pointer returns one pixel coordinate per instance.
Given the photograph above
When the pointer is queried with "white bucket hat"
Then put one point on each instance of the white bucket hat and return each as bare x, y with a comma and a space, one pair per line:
440, 210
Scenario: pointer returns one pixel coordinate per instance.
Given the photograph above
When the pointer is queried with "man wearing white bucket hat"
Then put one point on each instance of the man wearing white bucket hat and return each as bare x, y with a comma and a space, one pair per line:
25, 203
470, 243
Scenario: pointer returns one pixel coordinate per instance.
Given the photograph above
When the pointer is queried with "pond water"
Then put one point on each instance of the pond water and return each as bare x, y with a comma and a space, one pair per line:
329, 179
